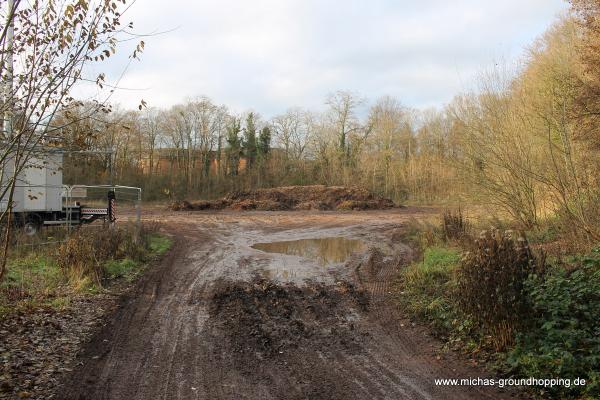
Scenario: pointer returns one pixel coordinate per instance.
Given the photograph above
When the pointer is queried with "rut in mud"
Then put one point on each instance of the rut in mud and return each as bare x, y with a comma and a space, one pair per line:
216, 321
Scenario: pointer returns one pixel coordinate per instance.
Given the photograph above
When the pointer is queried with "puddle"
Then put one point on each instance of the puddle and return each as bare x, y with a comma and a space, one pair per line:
325, 251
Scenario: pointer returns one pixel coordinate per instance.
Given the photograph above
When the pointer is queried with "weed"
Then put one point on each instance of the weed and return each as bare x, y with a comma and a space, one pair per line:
49, 279
79, 262
84, 255
422, 234
31, 275
60, 303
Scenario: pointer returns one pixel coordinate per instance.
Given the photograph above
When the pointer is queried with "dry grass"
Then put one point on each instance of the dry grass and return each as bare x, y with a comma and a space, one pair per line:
83, 255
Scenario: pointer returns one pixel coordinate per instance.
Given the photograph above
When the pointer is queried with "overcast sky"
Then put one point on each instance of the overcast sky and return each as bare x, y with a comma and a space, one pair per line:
269, 55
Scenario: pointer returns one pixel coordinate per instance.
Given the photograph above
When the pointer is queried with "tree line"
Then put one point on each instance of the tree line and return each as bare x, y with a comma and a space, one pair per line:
525, 141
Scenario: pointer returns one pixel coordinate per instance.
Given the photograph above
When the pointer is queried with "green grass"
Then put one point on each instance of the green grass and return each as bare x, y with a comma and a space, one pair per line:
32, 281
33, 273
36, 280
425, 287
434, 271
125, 268
159, 244
440, 258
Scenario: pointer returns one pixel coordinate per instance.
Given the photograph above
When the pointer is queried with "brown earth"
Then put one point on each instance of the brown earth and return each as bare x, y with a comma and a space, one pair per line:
221, 320
38, 347
315, 197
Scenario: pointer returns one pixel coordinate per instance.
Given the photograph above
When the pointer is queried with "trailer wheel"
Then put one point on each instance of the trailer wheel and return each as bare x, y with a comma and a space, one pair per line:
32, 225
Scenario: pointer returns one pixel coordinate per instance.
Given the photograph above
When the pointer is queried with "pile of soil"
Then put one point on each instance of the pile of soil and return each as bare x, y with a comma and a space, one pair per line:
262, 319
316, 197
278, 333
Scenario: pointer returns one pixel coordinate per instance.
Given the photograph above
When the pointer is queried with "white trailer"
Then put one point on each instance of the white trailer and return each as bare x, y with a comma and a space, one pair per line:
38, 187
40, 198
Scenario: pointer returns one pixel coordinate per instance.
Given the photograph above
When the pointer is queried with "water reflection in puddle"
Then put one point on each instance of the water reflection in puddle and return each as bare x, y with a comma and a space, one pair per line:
325, 250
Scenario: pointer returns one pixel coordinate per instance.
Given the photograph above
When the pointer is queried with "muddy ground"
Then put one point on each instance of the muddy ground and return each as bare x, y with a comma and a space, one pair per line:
219, 319
38, 347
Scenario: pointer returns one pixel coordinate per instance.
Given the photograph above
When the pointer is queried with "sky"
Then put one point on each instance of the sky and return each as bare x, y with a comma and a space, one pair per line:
270, 55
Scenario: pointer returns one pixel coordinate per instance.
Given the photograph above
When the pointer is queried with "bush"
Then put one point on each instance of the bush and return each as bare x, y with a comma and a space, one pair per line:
455, 226
83, 257
544, 322
490, 284
564, 338
78, 260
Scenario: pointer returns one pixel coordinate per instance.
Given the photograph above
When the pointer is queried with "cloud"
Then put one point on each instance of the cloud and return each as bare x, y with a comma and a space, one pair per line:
269, 55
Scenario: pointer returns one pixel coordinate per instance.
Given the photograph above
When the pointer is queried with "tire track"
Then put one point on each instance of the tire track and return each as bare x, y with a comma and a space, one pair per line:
168, 341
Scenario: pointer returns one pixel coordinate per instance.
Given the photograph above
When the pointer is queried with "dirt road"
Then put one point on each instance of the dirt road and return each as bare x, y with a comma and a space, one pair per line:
219, 319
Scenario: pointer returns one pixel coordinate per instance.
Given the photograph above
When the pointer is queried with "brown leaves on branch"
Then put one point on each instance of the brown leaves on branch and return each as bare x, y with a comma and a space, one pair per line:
587, 15
45, 58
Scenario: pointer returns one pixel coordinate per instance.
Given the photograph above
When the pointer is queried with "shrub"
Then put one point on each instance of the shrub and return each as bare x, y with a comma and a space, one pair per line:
544, 233
581, 227
84, 255
455, 226
564, 337
490, 284
78, 260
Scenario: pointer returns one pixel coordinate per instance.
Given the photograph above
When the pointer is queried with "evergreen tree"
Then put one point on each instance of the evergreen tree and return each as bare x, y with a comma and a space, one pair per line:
250, 139
234, 146
264, 143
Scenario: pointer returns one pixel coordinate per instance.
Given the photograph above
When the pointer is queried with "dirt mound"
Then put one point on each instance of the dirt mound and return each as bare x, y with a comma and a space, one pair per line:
280, 333
185, 205
316, 197
262, 319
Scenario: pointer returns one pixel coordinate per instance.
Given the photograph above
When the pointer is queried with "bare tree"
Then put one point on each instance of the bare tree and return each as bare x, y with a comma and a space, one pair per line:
45, 46
292, 130
151, 129
342, 110
389, 122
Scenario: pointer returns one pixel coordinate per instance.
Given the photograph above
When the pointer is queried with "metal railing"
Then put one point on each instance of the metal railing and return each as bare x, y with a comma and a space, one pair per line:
121, 193
95, 195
